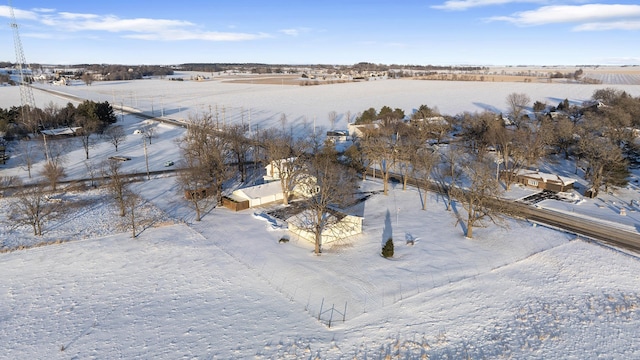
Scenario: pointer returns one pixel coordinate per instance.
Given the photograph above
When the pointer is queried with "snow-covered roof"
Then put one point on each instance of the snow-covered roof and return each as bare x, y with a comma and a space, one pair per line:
546, 177
259, 191
61, 131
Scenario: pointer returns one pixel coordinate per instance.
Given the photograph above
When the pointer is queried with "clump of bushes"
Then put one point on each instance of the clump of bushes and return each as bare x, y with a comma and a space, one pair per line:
283, 239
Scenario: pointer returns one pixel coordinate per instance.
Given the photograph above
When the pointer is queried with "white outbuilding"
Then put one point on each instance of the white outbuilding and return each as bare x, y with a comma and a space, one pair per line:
342, 226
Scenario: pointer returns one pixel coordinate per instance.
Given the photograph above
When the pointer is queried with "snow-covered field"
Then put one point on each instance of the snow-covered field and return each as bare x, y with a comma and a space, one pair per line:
263, 105
225, 288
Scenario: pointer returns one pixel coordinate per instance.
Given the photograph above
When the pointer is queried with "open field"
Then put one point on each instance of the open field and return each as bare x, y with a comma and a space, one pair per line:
607, 75
263, 105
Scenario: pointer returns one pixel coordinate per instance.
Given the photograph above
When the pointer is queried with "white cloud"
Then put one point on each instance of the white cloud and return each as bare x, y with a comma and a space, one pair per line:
44, 10
468, 4
75, 16
5, 11
294, 31
586, 14
181, 35
139, 28
613, 25
290, 32
89, 22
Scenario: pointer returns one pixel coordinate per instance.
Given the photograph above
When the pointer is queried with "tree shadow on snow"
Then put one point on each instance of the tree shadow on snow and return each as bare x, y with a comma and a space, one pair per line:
487, 107
387, 230
460, 220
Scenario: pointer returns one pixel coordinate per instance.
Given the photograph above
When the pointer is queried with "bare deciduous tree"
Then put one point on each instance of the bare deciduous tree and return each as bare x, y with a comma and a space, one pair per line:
599, 153
116, 135
478, 197
423, 163
205, 153
564, 132
53, 172
194, 181
92, 171
132, 200
117, 183
516, 103
476, 129
27, 149
405, 149
334, 186
149, 133
53, 169
89, 127
285, 156
240, 146
348, 117
32, 207
87, 78
379, 146
333, 117
448, 173
357, 160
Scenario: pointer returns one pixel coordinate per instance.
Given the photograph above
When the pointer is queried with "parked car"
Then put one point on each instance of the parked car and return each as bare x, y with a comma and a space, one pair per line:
168, 163
120, 158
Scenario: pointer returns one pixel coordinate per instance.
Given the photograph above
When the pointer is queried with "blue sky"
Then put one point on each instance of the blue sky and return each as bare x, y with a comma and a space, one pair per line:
440, 32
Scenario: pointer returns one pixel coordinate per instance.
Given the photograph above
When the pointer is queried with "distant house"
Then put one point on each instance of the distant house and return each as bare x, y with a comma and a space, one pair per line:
357, 131
67, 131
544, 181
337, 135
273, 169
345, 226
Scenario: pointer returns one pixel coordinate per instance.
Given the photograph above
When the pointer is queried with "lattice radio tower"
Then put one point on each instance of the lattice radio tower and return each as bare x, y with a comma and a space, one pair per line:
26, 93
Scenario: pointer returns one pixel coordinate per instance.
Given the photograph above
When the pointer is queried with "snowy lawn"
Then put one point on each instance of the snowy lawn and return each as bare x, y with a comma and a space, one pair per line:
225, 288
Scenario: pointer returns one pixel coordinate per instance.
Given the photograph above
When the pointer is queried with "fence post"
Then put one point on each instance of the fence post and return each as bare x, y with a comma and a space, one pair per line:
344, 314
331, 316
320, 313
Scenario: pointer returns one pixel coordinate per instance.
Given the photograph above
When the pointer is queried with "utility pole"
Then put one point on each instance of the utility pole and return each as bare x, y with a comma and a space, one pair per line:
146, 158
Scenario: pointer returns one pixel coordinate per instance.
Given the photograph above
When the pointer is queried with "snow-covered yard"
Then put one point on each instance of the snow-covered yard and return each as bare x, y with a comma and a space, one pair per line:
226, 288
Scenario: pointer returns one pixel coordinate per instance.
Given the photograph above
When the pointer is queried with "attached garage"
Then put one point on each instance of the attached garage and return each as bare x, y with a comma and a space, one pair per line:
259, 194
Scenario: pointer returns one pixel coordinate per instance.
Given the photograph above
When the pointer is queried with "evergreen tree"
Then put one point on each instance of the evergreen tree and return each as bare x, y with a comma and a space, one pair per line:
387, 249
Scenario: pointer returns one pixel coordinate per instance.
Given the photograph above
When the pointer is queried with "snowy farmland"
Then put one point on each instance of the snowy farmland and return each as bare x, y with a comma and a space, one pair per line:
225, 288
262, 105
